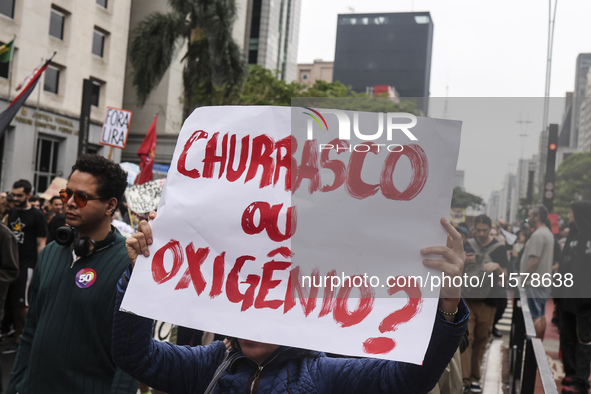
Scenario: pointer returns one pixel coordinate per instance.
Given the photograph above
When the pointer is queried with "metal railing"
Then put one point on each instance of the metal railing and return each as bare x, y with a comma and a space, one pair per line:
528, 356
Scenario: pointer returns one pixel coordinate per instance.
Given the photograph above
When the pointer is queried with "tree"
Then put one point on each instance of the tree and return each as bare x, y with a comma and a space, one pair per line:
573, 182
263, 88
212, 59
463, 199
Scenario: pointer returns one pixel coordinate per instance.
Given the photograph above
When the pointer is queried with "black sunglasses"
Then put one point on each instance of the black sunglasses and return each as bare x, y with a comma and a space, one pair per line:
81, 199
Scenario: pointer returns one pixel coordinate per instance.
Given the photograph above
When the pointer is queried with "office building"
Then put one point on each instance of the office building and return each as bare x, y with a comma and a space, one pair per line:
309, 73
90, 38
392, 49
266, 30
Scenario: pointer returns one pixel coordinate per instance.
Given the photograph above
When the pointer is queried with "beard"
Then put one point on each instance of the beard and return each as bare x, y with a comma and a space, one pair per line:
20, 204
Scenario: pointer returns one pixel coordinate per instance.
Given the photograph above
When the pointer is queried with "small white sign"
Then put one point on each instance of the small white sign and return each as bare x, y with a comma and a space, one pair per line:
115, 128
144, 198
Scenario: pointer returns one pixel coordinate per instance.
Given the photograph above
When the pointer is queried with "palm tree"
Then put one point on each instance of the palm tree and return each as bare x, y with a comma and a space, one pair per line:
213, 60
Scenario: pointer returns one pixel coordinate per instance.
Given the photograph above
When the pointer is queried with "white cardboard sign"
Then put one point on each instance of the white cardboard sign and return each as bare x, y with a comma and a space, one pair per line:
145, 197
248, 205
115, 128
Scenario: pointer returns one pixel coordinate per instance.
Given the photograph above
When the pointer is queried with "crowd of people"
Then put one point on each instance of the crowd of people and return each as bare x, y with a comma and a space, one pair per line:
64, 269
530, 252
71, 341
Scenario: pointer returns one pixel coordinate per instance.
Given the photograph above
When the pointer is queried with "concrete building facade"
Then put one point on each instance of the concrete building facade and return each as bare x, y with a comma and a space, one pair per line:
271, 35
459, 179
90, 39
309, 73
266, 30
585, 118
493, 207
582, 68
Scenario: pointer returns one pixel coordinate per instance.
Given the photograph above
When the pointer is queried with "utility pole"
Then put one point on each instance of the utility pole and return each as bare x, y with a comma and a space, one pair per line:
84, 118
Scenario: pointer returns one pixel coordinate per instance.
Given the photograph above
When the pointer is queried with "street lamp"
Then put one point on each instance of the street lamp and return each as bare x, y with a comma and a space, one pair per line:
551, 20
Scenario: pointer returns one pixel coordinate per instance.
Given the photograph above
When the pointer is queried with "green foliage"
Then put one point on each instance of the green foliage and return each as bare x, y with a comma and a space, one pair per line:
212, 59
463, 199
151, 48
262, 87
573, 182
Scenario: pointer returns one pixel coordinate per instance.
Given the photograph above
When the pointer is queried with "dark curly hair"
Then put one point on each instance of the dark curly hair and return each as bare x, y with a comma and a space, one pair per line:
110, 176
26, 185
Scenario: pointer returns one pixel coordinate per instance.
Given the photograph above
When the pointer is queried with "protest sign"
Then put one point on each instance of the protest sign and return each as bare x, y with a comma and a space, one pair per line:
115, 128
145, 197
57, 184
251, 214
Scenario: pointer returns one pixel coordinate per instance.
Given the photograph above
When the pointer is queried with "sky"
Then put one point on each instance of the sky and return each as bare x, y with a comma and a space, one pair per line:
485, 50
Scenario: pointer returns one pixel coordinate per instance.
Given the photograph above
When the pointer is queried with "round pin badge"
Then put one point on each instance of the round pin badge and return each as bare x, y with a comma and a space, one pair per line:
85, 278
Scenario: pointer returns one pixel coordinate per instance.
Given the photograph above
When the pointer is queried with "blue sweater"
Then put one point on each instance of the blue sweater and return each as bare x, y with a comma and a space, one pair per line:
184, 369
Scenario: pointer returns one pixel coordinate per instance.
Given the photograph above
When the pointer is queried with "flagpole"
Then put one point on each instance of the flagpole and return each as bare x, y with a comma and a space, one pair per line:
35, 132
10, 68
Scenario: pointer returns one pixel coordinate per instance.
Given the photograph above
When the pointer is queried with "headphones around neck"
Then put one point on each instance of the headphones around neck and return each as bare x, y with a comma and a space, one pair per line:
83, 246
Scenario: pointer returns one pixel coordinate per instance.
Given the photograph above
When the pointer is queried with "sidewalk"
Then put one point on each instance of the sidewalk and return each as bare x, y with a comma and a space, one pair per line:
551, 344
496, 366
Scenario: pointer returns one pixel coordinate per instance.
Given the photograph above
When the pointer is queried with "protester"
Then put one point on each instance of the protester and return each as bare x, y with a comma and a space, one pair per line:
8, 267
562, 236
66, 344
538, 258
501, 296
518, 245
274, 368
58, 218
29, 227
9, 263
35, 202
3, 204
9, 207
575, 313
488, 256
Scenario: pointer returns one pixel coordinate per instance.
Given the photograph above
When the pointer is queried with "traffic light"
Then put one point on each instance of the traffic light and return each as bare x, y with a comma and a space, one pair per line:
550, 164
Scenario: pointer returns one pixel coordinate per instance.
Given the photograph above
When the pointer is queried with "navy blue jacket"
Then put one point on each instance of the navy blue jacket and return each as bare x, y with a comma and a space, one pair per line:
184, 369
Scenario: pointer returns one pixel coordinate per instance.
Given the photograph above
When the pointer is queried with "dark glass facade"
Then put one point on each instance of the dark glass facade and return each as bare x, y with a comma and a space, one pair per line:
385, 49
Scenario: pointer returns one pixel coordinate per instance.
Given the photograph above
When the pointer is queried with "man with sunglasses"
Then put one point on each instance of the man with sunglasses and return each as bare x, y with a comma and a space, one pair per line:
29, 227
66, 344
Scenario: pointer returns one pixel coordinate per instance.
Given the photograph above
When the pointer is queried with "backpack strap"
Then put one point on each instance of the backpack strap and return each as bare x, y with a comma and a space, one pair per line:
227, 360
484, 250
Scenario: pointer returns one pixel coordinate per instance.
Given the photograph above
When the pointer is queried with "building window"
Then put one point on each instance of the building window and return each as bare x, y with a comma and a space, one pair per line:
52, 79
7, 8
4, 67
422, 19
4, 70
98, 43
93, 149
56, 24
102, 3
255, 31
95, 93
46, 162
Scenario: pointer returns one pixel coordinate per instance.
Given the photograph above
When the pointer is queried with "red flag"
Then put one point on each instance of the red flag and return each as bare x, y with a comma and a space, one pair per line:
147, 152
